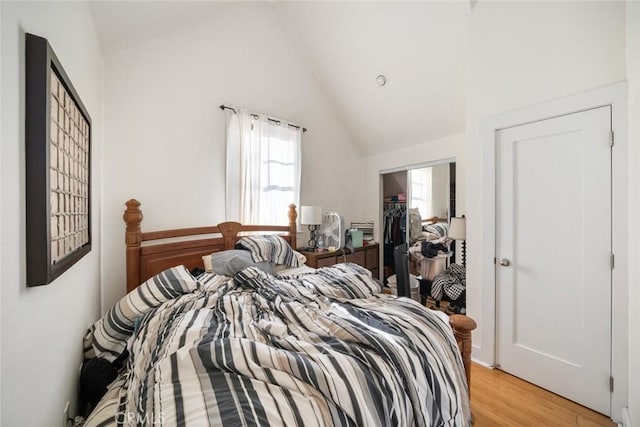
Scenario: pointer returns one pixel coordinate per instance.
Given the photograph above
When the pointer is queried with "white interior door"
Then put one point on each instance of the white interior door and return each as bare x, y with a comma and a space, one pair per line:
553, 255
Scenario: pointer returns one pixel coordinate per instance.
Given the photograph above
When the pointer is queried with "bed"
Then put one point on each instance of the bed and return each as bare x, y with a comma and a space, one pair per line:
323, 347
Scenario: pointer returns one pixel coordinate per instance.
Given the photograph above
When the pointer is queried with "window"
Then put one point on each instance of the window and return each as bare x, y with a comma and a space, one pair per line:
263, 168
421, 191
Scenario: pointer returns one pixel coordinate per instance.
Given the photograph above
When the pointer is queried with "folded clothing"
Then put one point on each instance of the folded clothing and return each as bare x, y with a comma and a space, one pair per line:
431, 249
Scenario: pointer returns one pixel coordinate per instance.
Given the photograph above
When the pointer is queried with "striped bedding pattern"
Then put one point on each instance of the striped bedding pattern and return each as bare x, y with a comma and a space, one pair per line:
269, 248
439, 229
108, 337
284, 351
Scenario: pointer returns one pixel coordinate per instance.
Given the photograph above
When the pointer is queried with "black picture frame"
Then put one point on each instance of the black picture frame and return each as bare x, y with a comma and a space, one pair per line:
58, 167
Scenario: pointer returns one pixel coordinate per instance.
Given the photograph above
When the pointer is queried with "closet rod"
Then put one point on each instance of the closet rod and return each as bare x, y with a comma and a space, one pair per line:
255, 116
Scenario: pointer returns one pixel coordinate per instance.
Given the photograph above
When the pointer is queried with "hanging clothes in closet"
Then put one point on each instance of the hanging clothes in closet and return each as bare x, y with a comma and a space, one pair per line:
395, 228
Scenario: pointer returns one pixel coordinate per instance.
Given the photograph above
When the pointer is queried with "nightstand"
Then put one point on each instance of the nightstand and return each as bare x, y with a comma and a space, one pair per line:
367, 256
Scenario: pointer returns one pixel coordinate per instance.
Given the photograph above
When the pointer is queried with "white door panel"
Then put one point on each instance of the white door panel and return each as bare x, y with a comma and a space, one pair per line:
554, 226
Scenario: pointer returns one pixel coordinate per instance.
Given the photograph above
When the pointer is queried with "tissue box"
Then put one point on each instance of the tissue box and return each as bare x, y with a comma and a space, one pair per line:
356, 238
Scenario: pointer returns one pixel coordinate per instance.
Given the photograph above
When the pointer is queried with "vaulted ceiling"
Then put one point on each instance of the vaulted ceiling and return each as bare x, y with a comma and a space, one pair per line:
419, 46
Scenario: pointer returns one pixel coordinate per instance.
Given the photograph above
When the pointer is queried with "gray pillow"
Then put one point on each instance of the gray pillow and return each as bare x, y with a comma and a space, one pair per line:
229, 263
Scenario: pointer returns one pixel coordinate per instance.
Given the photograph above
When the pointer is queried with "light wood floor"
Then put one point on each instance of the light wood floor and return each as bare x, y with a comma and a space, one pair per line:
500, 399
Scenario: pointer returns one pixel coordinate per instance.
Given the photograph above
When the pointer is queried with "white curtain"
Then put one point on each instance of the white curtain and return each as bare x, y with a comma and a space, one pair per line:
263, 168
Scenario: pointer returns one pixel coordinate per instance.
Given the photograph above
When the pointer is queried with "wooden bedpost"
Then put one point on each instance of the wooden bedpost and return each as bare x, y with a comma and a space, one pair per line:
462, 327
293, 217
133, 237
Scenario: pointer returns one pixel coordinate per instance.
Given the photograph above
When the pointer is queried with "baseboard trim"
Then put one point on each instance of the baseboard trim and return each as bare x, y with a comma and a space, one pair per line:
481, 363
626, 417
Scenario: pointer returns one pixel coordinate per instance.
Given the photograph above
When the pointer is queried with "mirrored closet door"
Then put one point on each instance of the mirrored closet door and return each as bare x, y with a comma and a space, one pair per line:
416, 207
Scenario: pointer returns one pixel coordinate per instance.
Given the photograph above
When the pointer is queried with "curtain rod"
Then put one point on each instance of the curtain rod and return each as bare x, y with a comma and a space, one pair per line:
255, 116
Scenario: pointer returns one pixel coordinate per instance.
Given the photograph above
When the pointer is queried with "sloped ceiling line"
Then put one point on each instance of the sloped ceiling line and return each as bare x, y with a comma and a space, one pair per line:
419, 46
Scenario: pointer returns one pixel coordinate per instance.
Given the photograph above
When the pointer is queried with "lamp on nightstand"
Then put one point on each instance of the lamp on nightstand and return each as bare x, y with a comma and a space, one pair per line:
312, 217
458, 231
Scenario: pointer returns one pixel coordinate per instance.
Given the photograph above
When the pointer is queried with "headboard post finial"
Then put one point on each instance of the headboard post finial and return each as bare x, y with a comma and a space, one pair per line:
133, 218
133, 238
293, 217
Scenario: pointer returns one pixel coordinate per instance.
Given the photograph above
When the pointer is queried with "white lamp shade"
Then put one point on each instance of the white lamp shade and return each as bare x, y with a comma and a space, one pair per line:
311, 215
458, 228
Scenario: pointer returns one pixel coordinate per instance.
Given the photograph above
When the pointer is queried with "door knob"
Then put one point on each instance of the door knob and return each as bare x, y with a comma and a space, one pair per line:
505, 262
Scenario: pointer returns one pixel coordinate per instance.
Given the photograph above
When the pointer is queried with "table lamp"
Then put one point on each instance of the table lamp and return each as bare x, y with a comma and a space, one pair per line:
312, 217
458, 231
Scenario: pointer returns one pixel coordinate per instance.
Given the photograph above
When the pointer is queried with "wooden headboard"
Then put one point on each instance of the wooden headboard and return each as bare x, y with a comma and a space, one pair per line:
147, 255
435, 220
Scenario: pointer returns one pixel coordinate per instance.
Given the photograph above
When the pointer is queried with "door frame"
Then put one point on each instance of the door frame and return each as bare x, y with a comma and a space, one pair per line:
615, 96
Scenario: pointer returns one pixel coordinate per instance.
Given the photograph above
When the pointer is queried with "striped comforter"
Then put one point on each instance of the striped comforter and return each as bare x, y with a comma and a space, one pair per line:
322, 349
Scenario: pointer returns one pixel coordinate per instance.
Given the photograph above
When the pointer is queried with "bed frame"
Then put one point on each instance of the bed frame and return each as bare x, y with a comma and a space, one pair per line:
147, 256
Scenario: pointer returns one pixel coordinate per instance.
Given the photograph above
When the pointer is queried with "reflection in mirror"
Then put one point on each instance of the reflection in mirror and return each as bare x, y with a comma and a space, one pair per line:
429, 197
416, 207
430, 205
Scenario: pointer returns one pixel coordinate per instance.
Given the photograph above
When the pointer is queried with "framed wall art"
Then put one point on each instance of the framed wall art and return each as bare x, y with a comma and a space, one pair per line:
58, 167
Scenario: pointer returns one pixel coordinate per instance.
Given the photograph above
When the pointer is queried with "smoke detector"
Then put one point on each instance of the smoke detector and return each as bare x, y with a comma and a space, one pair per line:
381, 80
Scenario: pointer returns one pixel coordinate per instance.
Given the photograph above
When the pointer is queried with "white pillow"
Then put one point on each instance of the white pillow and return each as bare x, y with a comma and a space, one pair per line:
301, 257
206, 260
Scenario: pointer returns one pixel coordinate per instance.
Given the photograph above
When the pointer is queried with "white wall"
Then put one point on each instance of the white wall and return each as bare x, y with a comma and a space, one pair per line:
1, 211
42, 327
521, 54
440, 190
633, 79
430, 151
166, 133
